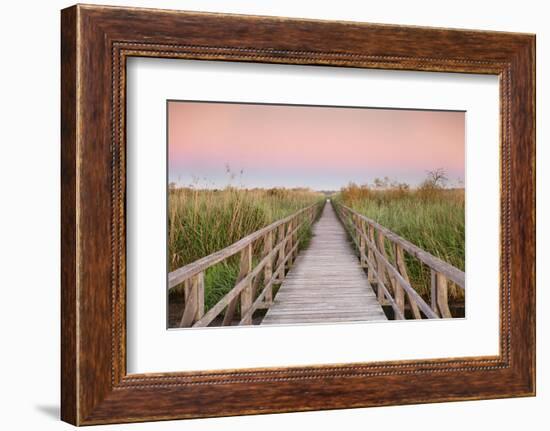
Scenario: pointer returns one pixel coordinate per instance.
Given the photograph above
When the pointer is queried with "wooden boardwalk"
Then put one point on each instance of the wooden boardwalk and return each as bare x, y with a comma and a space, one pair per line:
326, 283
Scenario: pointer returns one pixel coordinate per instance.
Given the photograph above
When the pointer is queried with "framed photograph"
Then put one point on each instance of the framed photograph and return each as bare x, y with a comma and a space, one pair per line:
264, 214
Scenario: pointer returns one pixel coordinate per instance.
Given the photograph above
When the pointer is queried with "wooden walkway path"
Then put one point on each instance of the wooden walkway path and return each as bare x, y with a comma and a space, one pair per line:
326, 283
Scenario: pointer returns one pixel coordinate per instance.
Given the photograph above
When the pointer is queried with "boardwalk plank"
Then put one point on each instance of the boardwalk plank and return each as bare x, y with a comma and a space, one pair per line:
326, 283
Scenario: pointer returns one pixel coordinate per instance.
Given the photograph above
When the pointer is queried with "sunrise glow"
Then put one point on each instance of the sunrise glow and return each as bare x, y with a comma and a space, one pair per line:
322, 148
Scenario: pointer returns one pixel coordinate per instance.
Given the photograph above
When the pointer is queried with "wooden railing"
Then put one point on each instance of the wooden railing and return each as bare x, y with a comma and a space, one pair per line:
280, 247
389, 273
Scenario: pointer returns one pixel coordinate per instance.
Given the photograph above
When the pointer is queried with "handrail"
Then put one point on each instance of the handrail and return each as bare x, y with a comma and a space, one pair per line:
179, 275
452, 273
280, 244
239, 287
369, 237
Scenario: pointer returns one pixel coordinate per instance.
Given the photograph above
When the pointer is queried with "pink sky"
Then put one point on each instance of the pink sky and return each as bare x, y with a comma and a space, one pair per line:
323, 148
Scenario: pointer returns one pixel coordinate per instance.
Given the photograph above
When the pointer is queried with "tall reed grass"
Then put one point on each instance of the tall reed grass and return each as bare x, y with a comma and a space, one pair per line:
203, 221
432, 218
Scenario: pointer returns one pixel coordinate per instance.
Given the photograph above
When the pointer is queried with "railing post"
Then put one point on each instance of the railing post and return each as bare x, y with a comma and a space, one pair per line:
370, 254
362, 244
200, 296
189, 309
353, 220
187, 290
295, 226
399, 294
433, 291
443, 296
194, 300
281, 259
397, 289
289, 244
402, 268
244, 268
247, 293
268, 269
380, 266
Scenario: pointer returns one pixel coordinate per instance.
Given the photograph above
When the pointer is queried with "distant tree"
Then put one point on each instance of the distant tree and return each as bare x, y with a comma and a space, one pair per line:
400, 186
436, 178
379, 183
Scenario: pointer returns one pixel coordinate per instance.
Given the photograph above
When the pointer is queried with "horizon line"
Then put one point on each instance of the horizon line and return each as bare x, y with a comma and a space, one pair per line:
190, 187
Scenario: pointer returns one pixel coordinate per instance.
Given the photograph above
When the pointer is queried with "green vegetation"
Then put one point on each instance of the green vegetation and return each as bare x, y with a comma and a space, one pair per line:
203, 221
431, 217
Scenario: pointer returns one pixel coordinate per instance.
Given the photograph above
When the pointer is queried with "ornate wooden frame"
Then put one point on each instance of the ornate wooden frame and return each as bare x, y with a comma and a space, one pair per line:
95, 43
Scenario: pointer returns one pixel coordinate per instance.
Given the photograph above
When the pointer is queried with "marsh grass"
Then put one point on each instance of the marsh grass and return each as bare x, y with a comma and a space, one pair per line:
203, 221
432, 218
